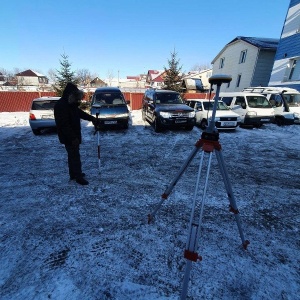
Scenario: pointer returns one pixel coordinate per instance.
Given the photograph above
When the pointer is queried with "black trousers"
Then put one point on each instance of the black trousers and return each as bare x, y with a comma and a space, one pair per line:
74, 161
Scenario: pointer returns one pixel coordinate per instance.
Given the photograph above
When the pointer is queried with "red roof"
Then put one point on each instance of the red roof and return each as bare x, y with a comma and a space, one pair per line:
29, 73
19, 101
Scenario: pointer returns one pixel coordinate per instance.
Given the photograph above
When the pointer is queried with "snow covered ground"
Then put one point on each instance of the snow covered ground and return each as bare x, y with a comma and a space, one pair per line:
60, 240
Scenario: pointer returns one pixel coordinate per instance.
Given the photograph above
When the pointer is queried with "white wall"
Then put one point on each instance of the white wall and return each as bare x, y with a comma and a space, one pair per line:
232, 66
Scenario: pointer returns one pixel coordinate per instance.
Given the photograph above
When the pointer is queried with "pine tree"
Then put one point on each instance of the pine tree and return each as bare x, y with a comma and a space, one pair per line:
173, 79
64, 75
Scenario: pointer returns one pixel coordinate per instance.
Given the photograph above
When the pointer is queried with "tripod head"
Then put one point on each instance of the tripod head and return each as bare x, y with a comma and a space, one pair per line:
219, 79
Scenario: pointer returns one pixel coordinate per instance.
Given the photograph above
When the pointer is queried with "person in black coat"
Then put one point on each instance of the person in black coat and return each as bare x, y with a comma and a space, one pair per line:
67, 118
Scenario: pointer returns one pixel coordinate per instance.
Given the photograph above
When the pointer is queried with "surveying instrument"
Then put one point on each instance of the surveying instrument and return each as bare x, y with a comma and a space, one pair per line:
208, 142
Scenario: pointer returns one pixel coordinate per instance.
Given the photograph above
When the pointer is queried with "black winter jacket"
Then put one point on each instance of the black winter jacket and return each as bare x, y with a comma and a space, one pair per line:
67, 117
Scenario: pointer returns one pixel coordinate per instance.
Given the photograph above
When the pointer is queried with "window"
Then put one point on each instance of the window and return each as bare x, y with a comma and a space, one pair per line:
240, 101
238, 81
227, 100
243, 56
295, 70
222, 60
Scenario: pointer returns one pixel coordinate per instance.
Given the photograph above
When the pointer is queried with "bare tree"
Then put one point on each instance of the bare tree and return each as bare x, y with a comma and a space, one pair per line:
201, 67
84, 77
110, 76
52, 75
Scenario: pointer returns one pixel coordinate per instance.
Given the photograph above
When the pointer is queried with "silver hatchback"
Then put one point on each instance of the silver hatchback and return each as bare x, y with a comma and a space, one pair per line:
41, 115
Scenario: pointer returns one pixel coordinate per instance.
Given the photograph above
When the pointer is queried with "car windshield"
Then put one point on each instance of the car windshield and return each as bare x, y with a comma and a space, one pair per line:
108, 98
168, 98
293, 100
43, 105
258, 102
209, 105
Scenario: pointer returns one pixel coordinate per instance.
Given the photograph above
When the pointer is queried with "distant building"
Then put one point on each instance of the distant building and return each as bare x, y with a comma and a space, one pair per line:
197, 81
97, 82
155, 79
249, 60
286, 69
31, 78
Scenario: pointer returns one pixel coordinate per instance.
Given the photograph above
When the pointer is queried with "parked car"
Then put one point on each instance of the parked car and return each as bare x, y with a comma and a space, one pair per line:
285, 102
253, 108
41, 114
166, 109
225, 118
109, 105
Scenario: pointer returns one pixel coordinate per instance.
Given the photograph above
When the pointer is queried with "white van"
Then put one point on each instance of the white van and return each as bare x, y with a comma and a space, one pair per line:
285, 101
225, 118
254, 109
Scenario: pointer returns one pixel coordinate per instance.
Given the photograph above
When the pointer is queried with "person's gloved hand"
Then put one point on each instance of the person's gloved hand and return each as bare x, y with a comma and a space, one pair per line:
95, 121
75, 142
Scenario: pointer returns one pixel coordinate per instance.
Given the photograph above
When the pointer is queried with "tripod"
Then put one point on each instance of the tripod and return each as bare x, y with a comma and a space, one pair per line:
208, 143
97, 129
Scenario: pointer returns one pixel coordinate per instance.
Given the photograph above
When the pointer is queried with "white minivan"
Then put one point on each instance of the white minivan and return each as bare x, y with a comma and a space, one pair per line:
225, 118
285, 101
253, 108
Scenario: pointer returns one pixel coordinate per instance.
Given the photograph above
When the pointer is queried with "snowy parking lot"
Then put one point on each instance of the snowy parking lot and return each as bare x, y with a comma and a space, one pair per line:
60, 240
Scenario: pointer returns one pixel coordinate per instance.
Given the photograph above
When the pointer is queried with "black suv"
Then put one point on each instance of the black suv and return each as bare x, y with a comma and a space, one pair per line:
166, 109
111, 107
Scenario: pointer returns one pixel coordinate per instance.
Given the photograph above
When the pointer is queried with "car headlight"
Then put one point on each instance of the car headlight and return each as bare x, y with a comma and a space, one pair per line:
296, 116
165, 115
192, 114
216, 119
239, 119
251, 113
125, 115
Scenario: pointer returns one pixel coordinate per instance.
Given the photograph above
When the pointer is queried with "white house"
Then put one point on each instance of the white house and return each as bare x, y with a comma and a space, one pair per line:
203, 75
31, 78
248, 60
286, 69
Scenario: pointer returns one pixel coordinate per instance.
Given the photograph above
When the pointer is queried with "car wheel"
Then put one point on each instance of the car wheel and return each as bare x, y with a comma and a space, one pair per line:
125, 126
156, 125
279, 121
203, 124
36, 131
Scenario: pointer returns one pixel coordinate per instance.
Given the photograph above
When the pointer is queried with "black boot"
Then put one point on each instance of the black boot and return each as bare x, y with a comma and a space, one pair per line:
73, 177
82, 181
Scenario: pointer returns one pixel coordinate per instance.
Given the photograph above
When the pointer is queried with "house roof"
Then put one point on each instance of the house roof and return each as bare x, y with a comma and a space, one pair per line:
30, 73
261, 43
154, 74
97, 80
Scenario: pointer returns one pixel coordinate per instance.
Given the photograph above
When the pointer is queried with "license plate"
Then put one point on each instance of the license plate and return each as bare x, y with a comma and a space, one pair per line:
180, 121
47, 117
110, 122
265, 120
229, 123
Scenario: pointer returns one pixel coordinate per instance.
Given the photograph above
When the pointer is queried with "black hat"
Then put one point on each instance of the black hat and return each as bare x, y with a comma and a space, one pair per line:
69, 89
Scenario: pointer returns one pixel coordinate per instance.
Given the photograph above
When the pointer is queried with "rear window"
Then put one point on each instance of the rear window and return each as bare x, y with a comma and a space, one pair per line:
43, 105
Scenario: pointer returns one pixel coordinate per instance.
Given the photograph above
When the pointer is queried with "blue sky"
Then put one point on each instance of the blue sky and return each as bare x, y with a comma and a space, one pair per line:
128, 37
